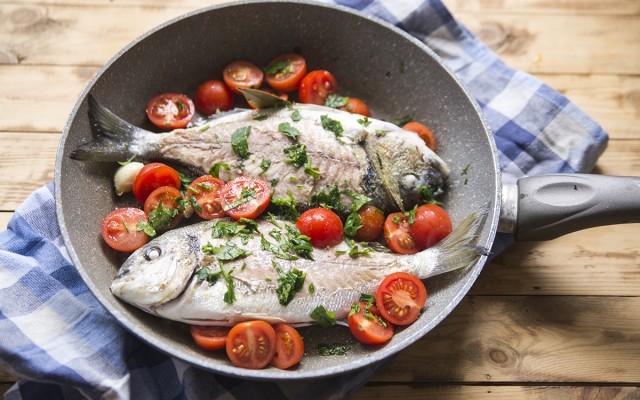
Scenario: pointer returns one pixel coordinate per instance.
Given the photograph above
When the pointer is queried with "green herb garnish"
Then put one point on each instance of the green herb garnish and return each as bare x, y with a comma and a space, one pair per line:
289, 283
322, 317
239, 142
286, 207
364, 121
265, 164
314, 172
228, 252
352, 224
403, 120
215, 169
161, 217
295, 115
289, 131
329, 198
332, 125
208, 274
336, 101
336, 349
296, 155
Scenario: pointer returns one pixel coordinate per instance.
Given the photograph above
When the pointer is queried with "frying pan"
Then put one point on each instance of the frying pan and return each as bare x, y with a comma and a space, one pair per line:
395, 73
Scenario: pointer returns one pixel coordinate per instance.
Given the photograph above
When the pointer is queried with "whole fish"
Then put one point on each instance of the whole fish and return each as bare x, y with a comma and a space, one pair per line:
301, 149
198, 275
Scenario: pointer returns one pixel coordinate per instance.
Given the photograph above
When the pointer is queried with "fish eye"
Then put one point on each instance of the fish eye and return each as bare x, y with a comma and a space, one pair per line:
152, 253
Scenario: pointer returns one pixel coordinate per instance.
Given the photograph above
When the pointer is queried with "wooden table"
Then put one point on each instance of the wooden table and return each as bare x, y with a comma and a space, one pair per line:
558, 319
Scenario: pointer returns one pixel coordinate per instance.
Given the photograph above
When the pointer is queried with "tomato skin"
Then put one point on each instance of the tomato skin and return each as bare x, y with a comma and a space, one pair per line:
422, 131
397, 234
289, 347
213, 95
323, 227
242, 74
356, 106
400, 297
287, 79
372, 221
153, 176
232, 192
369, 331
210, 337
251, 344
431, 225
168, 196
170, 111
119, 229
206, 190
316, 86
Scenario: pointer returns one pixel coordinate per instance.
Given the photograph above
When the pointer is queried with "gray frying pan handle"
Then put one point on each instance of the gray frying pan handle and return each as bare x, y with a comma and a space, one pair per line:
553, 205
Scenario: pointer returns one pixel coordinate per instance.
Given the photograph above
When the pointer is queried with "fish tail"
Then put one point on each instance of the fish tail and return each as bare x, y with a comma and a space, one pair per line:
458, 250
115, 138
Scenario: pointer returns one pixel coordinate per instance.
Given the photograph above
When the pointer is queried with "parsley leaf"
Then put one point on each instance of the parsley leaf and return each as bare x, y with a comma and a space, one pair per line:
289, 131
286, 207
239, 142
208, 274
215, 169
322, 317
296, 155
295, 115
161, 217
228, 252
314, 172
265, 164
336, 101
403, 120
329, 198
352, 224
145, 227
357, 200
288, 283
336, 349
364, 121
332, 125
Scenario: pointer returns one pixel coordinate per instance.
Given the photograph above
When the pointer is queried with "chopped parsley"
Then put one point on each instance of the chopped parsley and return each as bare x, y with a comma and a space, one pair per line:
215, 169
427, 195
265, 164
261, 117
329, 198
357, 200
208, 274
289, 131
411, 215
290, 245
314, 172
145, 227
336, 101
229, 295
282, 67
274, 182
222, 229
228, 252
335, 349
381, 133
331, 125
354, 250
296, 155
161, 217
245, 196
312, 288
322, 317
352, 224
403, 120
364, 121
289, 283
239, 142
295, 115
286, 207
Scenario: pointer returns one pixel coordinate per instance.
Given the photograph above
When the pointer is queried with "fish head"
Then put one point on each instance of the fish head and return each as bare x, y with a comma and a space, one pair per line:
158, 271
407, 167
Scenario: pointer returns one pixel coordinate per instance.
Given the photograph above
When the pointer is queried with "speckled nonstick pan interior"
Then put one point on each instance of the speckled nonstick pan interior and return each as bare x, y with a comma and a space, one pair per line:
396, 74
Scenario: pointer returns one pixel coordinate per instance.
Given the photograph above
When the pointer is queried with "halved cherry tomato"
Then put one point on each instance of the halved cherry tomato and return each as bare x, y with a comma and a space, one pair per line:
170, 110
316, 86
367, 325
372, 219
400, 297
153, 176
212, 96
424, 133
289, 347
168, 196
356, 106
285, 72
283, 96
431, 225
210, 337
245, 197
119, 229
397, 235
242, 74
206, 190
251, 344
323, 227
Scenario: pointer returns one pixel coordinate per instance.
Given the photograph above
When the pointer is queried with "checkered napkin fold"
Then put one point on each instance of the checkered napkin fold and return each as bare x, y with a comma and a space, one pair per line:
63, 344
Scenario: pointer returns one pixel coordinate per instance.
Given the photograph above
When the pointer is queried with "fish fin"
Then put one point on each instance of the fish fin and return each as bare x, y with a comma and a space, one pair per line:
262, 99
459, 249
114, 137
383, 167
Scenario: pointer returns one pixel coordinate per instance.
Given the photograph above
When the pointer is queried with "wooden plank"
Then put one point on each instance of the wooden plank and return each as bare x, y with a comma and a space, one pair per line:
575, 264
537, 339
547, 44
39, 98
465, 392
27, 167
41, 34
4, 219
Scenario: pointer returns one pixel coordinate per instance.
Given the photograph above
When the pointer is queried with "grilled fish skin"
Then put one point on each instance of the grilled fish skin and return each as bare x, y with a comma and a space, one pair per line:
371, 157
161, 278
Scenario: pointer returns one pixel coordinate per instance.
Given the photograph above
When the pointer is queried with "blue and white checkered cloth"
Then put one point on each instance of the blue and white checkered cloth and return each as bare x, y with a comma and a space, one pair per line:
63, 344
